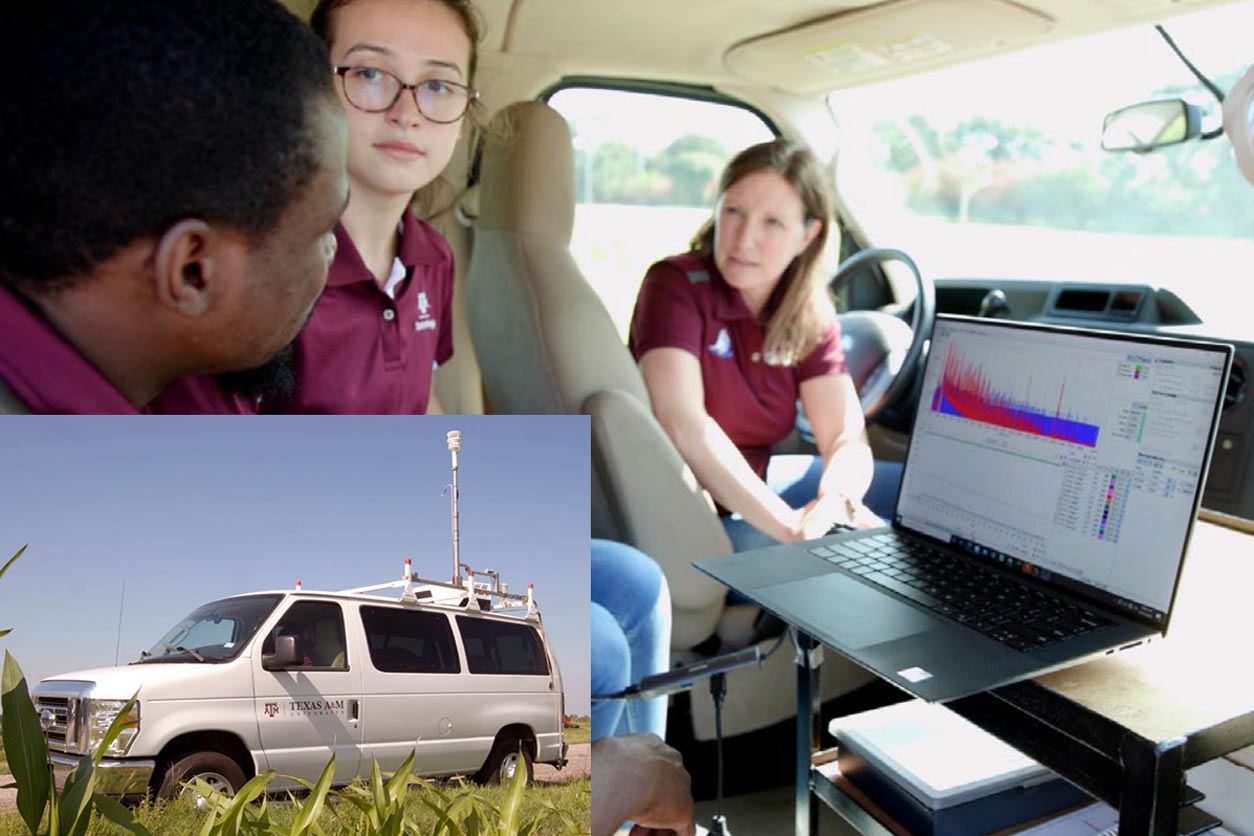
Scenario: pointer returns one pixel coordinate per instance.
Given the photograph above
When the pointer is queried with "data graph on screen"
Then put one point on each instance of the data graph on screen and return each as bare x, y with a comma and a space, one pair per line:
1079, 455
965, 391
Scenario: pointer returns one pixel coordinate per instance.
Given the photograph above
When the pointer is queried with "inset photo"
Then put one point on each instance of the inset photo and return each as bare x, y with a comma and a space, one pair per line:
216, 608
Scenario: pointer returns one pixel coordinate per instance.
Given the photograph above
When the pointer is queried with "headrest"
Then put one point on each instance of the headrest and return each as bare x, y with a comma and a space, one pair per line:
527, 180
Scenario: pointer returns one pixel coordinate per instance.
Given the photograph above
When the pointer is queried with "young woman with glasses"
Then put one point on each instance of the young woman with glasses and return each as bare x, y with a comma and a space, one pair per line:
404, 75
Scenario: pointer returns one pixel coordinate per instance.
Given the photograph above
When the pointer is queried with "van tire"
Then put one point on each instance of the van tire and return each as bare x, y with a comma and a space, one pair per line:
220, 771
507, 755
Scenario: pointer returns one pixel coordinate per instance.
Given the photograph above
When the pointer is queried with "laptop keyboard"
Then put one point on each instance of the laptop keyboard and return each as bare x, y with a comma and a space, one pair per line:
983, 599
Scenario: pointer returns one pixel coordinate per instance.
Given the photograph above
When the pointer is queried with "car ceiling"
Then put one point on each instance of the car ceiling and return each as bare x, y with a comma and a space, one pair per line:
802, 47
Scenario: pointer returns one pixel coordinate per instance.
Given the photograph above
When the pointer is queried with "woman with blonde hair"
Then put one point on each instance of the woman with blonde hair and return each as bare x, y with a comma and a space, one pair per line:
730, 334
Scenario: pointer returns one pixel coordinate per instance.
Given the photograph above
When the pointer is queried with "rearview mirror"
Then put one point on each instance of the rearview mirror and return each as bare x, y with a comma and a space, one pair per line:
1145, 126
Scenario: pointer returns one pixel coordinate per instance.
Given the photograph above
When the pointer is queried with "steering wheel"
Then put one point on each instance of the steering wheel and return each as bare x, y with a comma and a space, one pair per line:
881, 351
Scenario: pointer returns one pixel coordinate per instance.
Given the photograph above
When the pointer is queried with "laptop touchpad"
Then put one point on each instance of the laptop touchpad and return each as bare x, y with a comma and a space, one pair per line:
841, 611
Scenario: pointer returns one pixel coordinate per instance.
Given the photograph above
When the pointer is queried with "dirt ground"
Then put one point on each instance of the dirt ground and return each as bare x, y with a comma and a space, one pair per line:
580, 766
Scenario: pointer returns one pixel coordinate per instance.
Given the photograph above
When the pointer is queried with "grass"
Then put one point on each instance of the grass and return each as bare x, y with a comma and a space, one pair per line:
583, 734
180, 818
4, 764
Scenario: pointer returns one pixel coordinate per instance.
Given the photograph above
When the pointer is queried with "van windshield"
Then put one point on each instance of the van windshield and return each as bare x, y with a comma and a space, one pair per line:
995, 169
215, 632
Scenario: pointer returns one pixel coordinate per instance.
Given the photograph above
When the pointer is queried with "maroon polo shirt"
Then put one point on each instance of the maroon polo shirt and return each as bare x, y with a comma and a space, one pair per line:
361, 352
47, 373
685, 303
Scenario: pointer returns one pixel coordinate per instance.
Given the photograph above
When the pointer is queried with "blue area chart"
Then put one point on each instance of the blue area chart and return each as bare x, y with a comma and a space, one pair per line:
965, 392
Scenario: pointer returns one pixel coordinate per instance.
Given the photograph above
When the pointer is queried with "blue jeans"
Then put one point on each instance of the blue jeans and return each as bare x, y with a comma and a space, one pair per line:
631, 636
795, 478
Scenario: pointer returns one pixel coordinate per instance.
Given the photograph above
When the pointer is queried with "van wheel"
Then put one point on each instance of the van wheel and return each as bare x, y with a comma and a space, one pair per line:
214, 768
506, 757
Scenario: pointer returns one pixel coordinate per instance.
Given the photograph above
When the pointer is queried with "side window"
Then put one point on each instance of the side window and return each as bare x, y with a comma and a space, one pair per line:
409, 641
646, 176
498, 647
319, 630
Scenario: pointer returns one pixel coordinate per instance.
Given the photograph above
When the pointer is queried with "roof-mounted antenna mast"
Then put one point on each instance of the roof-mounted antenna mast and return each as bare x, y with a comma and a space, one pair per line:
455, 444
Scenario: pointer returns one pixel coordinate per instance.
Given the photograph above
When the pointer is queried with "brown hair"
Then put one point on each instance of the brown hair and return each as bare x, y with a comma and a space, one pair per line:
799, 309
321, 22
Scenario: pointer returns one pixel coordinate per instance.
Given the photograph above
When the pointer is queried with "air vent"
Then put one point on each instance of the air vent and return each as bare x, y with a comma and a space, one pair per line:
1119, 303
1082, 301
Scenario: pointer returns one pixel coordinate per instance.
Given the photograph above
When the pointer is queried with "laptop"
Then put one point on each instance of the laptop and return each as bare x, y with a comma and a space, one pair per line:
1048, 495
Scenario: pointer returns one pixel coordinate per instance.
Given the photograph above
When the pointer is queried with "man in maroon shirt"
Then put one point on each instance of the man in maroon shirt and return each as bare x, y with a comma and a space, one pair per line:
149, 227
367, 349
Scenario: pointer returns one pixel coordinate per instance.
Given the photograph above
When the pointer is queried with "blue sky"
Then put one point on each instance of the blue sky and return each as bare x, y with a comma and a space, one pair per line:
188, 509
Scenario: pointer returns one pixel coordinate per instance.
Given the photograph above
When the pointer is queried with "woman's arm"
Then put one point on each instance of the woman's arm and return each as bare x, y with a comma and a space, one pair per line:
831, 403
673, 377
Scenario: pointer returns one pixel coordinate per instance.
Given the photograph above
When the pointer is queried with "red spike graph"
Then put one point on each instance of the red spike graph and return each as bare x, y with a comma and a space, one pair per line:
964, 392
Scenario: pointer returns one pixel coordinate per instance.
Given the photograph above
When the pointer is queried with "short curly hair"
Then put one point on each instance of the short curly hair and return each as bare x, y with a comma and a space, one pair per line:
121, 117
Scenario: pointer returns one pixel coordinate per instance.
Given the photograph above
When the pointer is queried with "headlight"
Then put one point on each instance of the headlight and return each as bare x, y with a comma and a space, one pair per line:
100, 715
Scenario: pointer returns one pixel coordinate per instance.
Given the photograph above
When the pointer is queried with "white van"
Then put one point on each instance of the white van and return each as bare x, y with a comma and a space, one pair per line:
280, 680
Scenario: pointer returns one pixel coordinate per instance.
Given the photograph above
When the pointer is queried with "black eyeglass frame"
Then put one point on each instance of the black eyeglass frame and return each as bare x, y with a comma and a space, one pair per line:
342, 70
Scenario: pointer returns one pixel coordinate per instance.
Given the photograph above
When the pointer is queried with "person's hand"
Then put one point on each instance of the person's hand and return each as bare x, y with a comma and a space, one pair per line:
638, 778
831, 509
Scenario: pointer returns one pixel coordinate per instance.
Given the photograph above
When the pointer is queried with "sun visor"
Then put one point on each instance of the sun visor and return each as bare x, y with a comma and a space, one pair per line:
875, 42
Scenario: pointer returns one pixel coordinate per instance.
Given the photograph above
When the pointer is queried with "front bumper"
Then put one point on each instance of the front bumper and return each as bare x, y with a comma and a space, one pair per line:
113, 777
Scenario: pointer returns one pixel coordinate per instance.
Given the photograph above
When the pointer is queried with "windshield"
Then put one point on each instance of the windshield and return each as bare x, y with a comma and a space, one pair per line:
995, 169
215, 632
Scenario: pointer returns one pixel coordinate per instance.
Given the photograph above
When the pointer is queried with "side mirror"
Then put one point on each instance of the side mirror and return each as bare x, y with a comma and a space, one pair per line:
287, 654
1145, 126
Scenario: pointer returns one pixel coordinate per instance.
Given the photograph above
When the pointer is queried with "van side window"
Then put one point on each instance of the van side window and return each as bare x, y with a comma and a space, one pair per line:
646, 176
496, 647
409, 641
319, 630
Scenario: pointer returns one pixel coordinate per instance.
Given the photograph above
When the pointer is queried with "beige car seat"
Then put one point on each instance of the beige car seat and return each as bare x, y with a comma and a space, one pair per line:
546, 344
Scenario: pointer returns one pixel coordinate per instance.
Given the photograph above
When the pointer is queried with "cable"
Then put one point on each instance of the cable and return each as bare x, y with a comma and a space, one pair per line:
718, 689
775, 647
1206, 82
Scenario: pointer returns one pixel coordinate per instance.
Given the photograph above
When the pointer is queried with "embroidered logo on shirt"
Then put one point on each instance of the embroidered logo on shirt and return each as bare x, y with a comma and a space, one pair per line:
722, 346
425, 322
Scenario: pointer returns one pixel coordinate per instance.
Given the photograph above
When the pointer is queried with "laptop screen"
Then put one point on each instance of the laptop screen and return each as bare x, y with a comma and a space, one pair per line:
1073, 456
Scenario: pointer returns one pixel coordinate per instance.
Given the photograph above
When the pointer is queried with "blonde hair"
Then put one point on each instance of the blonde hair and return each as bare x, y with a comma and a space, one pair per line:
799, 309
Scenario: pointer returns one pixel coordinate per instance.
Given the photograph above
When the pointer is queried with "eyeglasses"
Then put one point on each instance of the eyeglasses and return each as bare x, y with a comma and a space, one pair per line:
374, 90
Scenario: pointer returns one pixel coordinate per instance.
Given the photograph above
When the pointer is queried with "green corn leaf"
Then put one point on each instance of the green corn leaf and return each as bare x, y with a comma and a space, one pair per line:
239, 805
445, 824
25, 747
76, 798
74, 809
115, 812
400, 780
313, 805
378, 795
12, 560
513, 799
115, 728
353, 796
